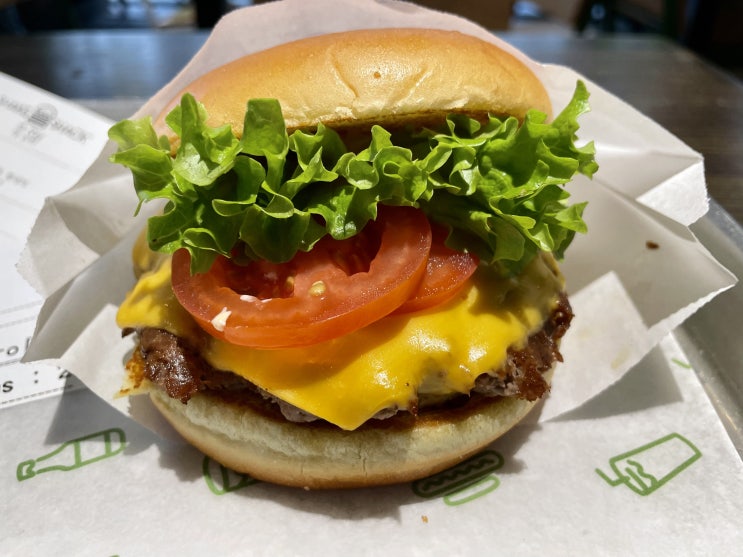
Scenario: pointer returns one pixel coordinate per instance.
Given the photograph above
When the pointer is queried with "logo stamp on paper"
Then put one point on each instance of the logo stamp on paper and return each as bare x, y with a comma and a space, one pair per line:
649, 467
75, 454
221, 480
41, 119
465, 482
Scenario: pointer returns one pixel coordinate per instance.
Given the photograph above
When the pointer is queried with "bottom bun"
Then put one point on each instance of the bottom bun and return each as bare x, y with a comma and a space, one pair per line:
320, 456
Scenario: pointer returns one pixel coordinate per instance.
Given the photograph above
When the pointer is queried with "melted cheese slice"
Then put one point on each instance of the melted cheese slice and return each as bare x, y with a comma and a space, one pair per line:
346, 381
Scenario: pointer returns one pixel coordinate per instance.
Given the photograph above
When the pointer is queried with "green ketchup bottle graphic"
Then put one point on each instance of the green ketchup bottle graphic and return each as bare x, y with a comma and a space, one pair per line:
647, 468
75, 454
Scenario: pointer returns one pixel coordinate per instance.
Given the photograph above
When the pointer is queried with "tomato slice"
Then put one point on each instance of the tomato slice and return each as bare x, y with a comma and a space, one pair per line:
447, 271
334, 289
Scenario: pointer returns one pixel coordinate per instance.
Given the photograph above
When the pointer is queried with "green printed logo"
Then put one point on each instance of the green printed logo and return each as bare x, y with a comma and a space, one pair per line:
75, 454
465, 482
647, 468
221, 480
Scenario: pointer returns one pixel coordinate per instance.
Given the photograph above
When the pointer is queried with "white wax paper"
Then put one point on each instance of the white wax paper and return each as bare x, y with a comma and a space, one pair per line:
541, 496
612, 275
619, 392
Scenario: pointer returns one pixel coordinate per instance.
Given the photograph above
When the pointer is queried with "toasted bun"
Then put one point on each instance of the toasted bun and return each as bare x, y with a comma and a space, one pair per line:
386, 76
358, 78
391, 451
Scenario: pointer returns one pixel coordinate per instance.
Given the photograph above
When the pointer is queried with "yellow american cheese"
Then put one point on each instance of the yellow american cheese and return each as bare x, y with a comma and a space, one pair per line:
347, 380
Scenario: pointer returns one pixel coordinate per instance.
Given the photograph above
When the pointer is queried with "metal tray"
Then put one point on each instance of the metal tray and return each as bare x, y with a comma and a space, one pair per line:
711, 337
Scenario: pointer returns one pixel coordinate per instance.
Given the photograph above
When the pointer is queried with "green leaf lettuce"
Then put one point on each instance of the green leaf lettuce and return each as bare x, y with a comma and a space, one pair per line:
498, 185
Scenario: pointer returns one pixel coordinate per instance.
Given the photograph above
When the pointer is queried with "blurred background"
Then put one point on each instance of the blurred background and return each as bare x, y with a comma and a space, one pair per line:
711, 28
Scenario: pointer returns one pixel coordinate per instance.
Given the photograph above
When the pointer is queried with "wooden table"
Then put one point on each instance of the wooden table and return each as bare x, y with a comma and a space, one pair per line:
699, 103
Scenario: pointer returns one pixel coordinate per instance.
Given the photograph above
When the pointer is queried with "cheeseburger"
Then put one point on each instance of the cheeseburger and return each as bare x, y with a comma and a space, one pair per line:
353, 279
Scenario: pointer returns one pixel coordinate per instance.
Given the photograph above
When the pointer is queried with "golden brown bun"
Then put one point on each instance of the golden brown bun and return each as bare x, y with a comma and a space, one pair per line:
317, 457
357, 78
386, 76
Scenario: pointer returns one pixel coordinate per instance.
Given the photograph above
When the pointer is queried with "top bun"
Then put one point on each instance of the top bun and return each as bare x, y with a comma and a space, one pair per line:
359, 78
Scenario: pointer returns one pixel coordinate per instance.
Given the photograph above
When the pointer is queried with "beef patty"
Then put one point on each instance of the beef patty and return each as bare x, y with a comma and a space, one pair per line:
175, 364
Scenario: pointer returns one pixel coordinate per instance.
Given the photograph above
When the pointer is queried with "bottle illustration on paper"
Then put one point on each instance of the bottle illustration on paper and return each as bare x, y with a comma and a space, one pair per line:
465, 482
75, 454
647, 468
221, 480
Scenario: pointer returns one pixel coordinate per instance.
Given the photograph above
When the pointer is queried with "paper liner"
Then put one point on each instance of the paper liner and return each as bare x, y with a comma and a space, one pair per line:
633, 278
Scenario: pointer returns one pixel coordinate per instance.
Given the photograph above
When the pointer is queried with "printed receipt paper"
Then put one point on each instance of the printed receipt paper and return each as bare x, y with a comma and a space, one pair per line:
652, 430
46, 144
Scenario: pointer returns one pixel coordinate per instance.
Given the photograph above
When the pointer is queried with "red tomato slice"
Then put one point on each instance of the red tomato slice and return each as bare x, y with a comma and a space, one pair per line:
447, 271
334, 289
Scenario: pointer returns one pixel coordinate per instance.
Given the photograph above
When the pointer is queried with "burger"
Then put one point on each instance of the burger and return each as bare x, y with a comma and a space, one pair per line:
351, 277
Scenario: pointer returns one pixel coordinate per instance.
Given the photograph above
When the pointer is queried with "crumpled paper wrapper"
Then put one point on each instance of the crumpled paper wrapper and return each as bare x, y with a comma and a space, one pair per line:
628, 456
633, 278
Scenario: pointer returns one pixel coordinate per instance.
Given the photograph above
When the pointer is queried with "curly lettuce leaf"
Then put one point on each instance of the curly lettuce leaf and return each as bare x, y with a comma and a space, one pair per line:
498, 185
